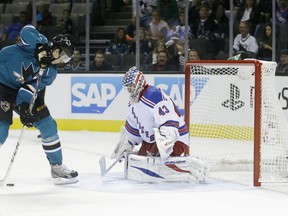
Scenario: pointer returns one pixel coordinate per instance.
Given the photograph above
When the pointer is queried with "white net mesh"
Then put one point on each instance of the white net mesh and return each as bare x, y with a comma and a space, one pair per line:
222, 118
273, 131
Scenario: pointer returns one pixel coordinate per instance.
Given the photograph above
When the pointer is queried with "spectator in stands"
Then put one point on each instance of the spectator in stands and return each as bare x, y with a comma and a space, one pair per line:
207, 29
168, 11
75, 64
131, 29
100, 64
282, 67
177, 58
244, 42
13, 30
158, 28
66, 23
217, 11
178, 30
145, 10
193, 55
181, 4
249, 13
43, 16
282, 12
193, 12
152, 56
163, 63
265, 11
119, 45
265, 45
145, 44
238, 4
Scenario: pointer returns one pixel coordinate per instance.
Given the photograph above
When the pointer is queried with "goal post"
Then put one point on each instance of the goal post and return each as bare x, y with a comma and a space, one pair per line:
235, 120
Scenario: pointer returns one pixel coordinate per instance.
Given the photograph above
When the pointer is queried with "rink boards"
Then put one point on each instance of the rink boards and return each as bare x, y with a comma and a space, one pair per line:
97, 102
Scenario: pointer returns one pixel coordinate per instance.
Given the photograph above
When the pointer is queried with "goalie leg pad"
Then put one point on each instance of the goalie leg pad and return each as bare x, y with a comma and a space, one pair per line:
199, 169
156, 170
122, 145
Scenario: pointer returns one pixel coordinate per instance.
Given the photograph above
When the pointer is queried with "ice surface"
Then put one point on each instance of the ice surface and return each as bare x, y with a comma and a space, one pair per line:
226, 193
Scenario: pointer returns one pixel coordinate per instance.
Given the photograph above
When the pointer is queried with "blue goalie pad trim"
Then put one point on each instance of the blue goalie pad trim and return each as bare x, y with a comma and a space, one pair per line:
148, 172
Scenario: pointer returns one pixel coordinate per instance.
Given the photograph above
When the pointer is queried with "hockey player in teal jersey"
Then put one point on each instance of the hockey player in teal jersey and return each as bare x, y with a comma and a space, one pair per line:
19, 66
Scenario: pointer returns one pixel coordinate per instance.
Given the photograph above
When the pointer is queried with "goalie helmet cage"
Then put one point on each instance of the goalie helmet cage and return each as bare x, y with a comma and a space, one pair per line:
235, 119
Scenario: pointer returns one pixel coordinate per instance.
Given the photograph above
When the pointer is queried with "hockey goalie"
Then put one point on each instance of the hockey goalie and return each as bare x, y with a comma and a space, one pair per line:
155, 128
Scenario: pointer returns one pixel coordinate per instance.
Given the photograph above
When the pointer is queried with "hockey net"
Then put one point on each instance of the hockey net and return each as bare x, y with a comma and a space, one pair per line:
235, 119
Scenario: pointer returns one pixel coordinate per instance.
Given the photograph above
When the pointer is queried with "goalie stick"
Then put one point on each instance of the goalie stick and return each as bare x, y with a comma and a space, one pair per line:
102, 163
34, 96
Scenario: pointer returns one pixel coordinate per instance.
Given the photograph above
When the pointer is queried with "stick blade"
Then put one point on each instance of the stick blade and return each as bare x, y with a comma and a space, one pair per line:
102, 163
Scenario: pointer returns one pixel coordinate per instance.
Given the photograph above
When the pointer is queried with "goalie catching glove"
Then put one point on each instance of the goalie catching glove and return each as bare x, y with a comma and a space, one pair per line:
123, 145
165, 138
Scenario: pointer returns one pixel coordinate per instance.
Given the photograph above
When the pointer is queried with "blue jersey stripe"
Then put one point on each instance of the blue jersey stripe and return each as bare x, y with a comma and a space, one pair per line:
131, 130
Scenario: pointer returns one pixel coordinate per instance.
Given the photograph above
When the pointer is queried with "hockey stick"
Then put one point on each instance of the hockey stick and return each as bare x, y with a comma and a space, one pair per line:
102, 163
13, 156
32, 103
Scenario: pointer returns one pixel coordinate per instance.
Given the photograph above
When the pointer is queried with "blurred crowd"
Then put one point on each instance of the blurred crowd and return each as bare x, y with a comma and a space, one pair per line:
163, 32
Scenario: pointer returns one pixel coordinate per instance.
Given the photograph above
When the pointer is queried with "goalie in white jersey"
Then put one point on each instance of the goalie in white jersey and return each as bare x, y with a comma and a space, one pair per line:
154, 123
149, 107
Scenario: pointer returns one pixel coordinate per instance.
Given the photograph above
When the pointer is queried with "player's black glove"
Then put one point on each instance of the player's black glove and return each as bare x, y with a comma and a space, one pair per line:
26, 117
43, 55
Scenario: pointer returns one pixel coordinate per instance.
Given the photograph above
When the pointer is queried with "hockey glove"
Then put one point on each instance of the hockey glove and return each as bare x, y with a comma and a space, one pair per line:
43, 55
26, 117
165, 138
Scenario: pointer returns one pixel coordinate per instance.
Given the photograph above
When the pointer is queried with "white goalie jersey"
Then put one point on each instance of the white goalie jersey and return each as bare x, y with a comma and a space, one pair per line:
154, 109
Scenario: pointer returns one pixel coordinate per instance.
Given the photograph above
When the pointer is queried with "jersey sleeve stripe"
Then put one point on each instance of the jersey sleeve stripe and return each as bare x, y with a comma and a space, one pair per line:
183, 130
171, 123
131, 130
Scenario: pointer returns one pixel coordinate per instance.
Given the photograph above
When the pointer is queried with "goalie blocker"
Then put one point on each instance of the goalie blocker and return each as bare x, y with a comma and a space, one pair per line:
174, 169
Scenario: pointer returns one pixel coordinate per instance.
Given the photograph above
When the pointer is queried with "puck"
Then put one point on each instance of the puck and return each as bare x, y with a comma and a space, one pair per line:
10, 185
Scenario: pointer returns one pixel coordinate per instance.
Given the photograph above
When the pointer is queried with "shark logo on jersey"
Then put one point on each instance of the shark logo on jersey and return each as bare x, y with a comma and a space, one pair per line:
5, 105
175, 88
25, 73
93, 94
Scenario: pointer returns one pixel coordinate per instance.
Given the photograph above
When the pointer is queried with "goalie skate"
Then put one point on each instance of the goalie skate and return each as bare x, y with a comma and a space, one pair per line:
62, 175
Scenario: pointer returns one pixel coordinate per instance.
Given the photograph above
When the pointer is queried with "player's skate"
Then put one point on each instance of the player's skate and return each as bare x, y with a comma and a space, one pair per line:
62, 175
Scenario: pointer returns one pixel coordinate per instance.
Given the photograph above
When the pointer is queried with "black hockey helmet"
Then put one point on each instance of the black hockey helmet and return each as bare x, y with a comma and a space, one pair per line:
63, 43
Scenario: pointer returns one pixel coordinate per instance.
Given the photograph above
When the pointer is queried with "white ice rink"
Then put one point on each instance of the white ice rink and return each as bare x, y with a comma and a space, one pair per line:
226, 193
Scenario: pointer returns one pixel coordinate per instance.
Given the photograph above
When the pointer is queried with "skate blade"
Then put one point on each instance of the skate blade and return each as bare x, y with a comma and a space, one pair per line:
64, 181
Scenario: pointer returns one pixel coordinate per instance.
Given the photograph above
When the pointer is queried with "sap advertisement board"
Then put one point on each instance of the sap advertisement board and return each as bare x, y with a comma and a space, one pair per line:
101, 96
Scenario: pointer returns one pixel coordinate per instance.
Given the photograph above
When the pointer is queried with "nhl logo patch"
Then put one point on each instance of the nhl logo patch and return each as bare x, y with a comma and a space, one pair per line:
5, 106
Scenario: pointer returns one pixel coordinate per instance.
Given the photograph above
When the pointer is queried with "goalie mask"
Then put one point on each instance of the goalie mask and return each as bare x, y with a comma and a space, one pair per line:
134, 81
66, 49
